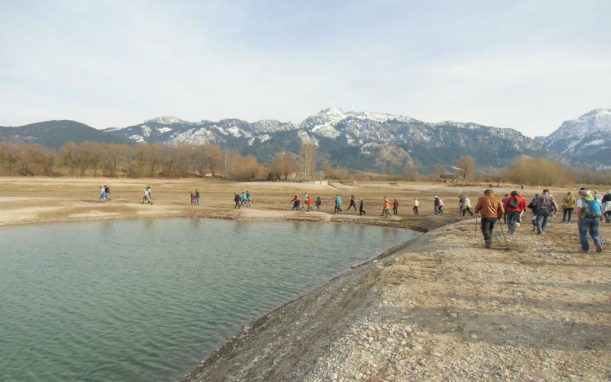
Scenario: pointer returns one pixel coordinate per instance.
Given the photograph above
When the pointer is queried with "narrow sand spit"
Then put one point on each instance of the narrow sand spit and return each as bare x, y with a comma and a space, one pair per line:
443, 308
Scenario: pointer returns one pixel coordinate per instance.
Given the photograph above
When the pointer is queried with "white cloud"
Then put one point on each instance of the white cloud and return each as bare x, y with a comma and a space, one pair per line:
111, 63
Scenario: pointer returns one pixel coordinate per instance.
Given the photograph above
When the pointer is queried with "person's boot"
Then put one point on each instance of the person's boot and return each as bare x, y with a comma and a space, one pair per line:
488, 244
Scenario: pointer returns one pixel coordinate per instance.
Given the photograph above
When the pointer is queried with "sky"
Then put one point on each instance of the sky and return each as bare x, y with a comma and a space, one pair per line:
527, 65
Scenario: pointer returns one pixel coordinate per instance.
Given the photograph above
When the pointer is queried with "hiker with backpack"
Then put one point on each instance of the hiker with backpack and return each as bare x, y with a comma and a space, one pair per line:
395, 206
491, 209
237, 198
318, 202
362, 207
589, 211
568, 204
544, 205
416, 205
513, 206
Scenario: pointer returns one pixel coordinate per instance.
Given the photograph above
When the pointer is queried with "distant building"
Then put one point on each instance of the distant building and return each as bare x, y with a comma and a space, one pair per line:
448, 177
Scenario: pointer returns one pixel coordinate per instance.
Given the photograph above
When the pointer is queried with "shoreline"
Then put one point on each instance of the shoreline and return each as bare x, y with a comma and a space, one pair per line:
437, 306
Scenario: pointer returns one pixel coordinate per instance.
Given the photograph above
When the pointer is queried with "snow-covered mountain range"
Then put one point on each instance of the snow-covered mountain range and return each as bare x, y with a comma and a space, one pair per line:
368, 141
352, 139
587, 138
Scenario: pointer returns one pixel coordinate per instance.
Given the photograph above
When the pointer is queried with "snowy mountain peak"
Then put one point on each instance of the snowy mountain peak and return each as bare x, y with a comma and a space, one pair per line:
597, 120
166, 120
335, 114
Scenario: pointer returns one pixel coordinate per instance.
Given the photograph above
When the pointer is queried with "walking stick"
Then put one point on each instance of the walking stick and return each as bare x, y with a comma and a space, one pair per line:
504, 237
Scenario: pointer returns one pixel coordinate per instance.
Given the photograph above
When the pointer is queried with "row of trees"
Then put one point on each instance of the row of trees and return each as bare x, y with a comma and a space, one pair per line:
156, 160
150, 160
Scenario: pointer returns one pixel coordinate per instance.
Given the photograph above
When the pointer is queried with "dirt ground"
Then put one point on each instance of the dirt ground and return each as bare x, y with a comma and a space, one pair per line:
25, 200
442, 308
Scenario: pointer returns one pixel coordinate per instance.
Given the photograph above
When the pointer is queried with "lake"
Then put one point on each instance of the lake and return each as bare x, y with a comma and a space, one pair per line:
147, 300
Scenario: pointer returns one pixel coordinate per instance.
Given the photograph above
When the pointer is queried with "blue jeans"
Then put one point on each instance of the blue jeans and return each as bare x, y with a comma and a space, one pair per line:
541, 221
512, 219
590, 225
487, 228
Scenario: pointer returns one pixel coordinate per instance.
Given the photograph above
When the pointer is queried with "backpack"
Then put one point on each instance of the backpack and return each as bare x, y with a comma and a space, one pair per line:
513, 203
592, 208
543, 202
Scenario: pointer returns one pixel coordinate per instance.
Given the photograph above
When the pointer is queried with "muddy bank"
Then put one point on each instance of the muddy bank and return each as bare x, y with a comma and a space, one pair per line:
443, 308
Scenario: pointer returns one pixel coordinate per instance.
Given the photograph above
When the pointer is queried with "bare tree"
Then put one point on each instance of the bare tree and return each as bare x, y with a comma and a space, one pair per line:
283, 165
466, 166
307, 159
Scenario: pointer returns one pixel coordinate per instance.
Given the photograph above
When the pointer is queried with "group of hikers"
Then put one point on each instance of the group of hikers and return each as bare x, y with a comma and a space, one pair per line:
105, 194
242, 199
591, 208
194, 197
308, 202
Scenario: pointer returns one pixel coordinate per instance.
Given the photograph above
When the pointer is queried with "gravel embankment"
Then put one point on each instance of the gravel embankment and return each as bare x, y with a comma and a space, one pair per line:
442, 309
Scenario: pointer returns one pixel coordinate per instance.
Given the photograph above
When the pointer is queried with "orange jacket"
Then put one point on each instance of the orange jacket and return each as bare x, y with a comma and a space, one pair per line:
489, 206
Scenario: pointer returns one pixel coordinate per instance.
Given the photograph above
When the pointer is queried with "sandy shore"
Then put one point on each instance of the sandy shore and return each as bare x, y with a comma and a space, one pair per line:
44, 200
441, 309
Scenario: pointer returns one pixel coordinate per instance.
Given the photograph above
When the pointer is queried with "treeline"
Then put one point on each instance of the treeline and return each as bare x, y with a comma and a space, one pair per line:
151, 160
157, 160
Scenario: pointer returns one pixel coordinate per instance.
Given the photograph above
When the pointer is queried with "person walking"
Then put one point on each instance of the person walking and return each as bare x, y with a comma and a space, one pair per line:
544, 205
148, 195
108, 193
416, 205
338, 203
238, 200
465, 205
352, 202
103, 194
318, 202
196, 196
362, 207
589, 211
568, 204
386, 209
295, 202
606, 203
490, 209
395, 206
309, 203
436, 205
513, 206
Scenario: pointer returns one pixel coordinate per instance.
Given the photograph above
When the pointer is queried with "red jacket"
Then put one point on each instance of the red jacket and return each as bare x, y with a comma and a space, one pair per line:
521, 204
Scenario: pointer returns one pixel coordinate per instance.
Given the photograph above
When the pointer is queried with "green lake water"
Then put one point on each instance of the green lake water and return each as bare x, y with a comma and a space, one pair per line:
146, 300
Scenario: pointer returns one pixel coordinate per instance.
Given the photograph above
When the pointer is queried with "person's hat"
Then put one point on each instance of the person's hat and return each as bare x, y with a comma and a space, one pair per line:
514, 193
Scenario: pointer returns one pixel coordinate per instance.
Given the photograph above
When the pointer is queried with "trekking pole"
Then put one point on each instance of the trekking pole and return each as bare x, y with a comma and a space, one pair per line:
504, 237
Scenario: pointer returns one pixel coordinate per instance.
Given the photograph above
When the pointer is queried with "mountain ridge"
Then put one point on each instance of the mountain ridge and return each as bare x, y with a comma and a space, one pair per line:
357, 140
